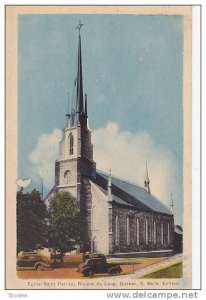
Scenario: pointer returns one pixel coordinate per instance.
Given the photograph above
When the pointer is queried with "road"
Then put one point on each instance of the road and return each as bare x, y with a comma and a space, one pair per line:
69, 270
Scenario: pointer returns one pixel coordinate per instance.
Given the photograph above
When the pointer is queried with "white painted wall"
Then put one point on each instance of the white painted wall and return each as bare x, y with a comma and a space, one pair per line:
64, 144
99, 221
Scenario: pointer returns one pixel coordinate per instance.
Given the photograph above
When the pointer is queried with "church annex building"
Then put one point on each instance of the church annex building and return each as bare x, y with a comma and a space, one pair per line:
117, 216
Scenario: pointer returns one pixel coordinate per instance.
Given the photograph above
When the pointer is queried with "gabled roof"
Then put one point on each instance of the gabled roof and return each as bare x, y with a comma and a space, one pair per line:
127, 193
115, 198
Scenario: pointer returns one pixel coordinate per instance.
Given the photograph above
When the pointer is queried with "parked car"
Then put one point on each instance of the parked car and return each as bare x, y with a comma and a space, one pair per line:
56, 256
97, 264
33, 261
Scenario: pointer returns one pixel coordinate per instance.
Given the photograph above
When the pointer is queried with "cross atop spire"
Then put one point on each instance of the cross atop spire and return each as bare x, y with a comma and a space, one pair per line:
79, 26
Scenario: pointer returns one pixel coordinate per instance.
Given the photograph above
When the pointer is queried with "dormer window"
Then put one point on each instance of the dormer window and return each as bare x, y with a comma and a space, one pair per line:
71, 144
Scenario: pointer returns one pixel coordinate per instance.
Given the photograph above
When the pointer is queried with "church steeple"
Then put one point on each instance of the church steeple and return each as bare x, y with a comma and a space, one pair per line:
147, 181
79, 78
78, 115
109, 186
171, 204
85, 106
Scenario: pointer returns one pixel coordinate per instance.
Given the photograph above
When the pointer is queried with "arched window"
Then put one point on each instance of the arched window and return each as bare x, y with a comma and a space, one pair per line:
155, 233
71, 144
162, 234
146, 232
168, 233
128, 231
117, 231
137, 231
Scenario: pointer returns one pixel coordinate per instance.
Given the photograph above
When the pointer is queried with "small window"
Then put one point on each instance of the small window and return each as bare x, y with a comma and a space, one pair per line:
146, 232
137, 231
117, 231
128, 231
155, 233
71, 144
168, 233
162, 234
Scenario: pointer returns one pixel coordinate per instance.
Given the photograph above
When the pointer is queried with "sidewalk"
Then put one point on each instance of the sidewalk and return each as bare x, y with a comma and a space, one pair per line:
154, 267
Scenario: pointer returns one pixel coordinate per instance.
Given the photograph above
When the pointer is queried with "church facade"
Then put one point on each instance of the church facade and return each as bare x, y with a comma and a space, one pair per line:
116, 215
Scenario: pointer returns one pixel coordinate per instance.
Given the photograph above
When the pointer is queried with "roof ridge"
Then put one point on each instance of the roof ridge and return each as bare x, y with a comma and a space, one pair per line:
135, 185
123, 180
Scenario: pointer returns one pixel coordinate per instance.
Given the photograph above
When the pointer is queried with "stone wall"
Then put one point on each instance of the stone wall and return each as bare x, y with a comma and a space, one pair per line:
85, 210
143, 244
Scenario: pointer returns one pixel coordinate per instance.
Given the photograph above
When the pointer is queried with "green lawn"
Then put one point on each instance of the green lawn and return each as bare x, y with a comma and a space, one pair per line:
174, 271
135, 260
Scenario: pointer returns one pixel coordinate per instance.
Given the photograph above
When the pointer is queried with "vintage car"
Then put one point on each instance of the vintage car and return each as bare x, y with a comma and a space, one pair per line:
57, 256
97, 264
33, 261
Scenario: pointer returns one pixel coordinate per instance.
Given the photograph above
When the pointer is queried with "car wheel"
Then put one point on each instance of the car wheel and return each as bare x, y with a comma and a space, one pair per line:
91, 273
39, 267
115, 271
88, 273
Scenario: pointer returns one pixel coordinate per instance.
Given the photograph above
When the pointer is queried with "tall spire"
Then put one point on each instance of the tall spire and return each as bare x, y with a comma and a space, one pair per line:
85, 111
109, 185
68, 115
79, 79
147, 182
85, 106
172, 204
77, 115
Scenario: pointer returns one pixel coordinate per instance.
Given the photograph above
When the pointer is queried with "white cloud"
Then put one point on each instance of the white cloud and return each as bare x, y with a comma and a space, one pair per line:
44, 155
124, 152
23, 183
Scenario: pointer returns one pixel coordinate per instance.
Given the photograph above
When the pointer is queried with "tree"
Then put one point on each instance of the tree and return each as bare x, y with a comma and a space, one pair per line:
31, 221
63, 220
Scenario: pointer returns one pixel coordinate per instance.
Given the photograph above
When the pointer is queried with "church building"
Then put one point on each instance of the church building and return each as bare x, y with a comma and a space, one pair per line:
117, 216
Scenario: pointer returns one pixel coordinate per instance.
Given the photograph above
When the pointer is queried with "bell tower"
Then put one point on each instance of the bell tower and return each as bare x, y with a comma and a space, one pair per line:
75, 165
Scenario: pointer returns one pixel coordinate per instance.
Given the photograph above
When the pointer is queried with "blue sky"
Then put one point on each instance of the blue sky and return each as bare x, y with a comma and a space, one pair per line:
132, 68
